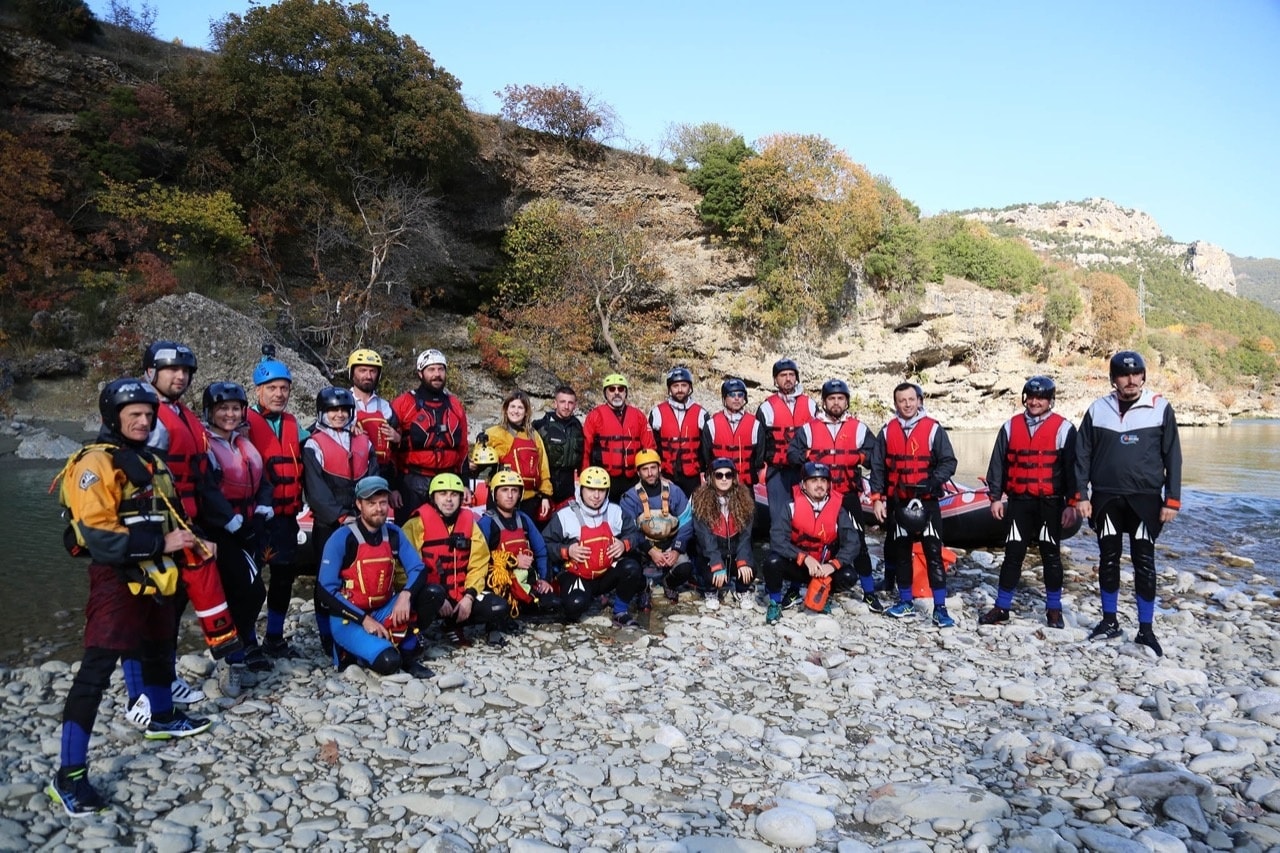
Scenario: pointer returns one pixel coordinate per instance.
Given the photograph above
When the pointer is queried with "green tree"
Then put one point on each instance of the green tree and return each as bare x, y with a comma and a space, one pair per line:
967, 249
718, 176
59, 21
690, 145
535, 248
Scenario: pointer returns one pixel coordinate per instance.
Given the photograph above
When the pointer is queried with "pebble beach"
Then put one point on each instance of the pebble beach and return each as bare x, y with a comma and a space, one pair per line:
706, 730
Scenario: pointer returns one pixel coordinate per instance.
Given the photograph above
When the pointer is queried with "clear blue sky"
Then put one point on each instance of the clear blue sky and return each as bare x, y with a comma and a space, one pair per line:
1170, 107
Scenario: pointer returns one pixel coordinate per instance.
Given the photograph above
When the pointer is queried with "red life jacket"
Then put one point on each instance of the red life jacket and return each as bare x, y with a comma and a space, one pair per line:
241, 467
367, 581
681, 439
842, 452
513, 542
281, 459
337, 461
907, 456
371, 423
618, 442
785, 423
1030, 458
735, 444
597, 539
814, 533
185, 457
434, 437
446, 565
524, 459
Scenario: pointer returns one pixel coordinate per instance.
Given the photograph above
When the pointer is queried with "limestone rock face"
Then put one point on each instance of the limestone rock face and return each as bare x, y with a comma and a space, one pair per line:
1211, 266
1097, 217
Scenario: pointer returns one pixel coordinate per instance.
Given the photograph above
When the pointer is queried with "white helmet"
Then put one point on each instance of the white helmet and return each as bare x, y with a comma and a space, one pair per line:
429, 357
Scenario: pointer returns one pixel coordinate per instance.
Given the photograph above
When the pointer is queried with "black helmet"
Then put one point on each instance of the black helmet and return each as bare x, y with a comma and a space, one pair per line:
835, 386
222, 392
785, 364
1039, 386
679, 373
731, 386
1127, 362
168, 354
120, 393
911, 516
817, 469
335, 398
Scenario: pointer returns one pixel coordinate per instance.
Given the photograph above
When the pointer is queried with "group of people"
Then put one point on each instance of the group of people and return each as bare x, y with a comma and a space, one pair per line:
414, 526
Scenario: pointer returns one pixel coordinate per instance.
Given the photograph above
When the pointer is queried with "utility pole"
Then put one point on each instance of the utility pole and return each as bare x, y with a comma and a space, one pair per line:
1142, 298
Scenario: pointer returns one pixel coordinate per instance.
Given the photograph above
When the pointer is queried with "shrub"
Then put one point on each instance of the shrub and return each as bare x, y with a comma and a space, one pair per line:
570, 113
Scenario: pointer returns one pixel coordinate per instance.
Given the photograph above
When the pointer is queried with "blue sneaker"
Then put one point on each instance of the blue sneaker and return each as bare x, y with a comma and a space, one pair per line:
901, 610
73, 792
774, 613
942, 618
178, 725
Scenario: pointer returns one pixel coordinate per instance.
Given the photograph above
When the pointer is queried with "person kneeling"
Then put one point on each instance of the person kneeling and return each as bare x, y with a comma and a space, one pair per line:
370, 620
517, 552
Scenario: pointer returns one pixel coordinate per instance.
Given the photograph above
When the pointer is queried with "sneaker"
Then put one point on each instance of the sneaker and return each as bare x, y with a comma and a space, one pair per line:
178, 725
994, 616
495, 638
1053, 618
1107, 629
418, 669
711, 600
745, 599
256, 660
279, 648
942, 618
458, 636
774, 613
139, 713
792, 597
672, 595
873, 602
644, 601
624, 620
1146, 637
73, 792
185, 694
230, 678
901, 610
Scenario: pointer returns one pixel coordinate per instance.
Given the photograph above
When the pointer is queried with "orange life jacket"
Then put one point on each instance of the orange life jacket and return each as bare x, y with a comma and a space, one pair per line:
185, 457
446, 553
736, 444
907, 457
366, 582
1031, 457
241, 467
340, 463
681, 439
524, 459
281, 459
785, 423
842, 452
814, 533
597, 539
618, 441
371, 423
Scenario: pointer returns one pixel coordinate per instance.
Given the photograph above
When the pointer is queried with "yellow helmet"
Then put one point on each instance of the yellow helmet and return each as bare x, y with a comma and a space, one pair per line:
483, 454
365, 357
446, 483
614, 379
506, 477
647, 457
594, 477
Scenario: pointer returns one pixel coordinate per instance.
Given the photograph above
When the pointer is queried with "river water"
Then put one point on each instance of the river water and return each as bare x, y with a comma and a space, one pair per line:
1231, 502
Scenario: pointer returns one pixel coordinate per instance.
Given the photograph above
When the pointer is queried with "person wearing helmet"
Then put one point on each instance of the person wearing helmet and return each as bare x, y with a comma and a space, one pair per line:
236, 468
105, 487
372, 623
520, 448
448, 536
1030, 478
811, 537
732, 434
841, 441
433, 431
677, 424
374, 414
336, 455
613, 434
562, 437
518, 569
723, 511
278, 437
912, 458
594, 544
481, 464
780, 415
661, 511
1128, 476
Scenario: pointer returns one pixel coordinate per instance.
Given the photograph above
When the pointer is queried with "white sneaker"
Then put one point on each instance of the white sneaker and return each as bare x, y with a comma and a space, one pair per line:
710, 601
139, 713
230, 678
185, 694
746, 599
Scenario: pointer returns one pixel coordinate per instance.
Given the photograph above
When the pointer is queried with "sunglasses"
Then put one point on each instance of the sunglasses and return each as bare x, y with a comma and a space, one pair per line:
724, 475
612, 388
736, 394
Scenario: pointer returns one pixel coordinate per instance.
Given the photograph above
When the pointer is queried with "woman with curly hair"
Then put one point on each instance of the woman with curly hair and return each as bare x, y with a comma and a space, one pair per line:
723, 511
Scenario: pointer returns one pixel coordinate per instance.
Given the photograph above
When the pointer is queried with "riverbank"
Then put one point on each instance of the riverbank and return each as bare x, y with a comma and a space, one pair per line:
710, 731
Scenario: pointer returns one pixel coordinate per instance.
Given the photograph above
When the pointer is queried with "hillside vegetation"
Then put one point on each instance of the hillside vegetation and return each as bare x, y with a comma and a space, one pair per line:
321, 172
1258, 279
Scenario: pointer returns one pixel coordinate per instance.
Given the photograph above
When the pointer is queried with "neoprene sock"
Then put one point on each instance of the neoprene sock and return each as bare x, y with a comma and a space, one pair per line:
1004, 599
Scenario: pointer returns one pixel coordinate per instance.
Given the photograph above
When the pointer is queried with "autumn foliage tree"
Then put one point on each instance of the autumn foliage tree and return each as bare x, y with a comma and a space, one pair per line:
1114, 307
577, 116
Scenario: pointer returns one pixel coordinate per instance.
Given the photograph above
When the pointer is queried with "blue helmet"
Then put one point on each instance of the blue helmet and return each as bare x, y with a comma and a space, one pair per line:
270, 369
